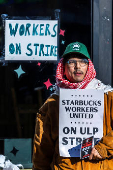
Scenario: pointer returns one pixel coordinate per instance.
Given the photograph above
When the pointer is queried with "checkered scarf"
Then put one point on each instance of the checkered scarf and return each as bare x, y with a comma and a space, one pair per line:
62, 82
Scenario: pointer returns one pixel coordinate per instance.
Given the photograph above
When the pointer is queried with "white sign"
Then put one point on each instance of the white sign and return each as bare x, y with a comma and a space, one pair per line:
31, 39
80, 117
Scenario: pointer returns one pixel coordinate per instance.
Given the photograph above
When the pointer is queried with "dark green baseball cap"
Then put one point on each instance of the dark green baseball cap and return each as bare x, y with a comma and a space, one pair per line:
76, 47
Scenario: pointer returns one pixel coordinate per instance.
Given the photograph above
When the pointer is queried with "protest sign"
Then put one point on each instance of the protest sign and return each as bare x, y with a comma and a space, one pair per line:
80, 117
31, 39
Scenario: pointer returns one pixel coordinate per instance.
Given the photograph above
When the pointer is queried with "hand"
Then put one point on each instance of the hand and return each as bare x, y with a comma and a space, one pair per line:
94, 155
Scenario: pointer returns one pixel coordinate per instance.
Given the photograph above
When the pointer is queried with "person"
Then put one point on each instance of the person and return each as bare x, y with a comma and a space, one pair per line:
75, 70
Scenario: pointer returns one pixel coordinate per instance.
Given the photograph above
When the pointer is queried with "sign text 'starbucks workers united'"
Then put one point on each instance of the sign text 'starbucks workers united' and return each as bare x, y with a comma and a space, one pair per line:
80, 117
31, 39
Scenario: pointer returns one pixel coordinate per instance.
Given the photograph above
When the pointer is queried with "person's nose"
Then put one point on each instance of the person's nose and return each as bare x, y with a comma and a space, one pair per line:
77, 65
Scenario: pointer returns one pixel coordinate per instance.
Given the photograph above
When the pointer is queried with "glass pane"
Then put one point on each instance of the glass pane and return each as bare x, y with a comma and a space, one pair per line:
20, 98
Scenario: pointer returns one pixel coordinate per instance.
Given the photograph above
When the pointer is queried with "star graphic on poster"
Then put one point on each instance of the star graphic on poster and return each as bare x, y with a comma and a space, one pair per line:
48, 84
63, 42
62, 32
51, 89
14, 151
39, 64
19, 71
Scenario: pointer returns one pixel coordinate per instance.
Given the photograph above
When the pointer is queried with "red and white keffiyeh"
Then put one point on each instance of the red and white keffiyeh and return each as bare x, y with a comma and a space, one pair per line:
62, 82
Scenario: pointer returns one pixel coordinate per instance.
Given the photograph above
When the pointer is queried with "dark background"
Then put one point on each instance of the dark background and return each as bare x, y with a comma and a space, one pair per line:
29, 90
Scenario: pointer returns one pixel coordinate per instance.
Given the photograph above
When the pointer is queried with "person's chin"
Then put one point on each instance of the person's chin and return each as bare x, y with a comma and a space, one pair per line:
78, 80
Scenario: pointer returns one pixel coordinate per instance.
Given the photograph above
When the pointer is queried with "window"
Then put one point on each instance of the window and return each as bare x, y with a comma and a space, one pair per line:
20, 98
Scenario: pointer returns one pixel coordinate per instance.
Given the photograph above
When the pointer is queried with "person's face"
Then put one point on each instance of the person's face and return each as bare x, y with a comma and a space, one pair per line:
77, 72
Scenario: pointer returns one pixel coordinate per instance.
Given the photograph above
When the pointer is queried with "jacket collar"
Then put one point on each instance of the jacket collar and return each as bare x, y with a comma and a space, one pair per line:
94, 84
